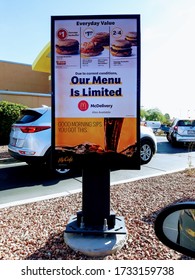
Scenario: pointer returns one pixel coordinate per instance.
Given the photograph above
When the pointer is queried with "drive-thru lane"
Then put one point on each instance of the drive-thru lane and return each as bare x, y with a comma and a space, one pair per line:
21, 184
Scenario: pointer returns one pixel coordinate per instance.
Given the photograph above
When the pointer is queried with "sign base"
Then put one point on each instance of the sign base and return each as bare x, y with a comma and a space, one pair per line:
74, 227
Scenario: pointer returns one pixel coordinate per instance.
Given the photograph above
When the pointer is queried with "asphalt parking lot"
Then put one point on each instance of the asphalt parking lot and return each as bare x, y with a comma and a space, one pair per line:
21, 184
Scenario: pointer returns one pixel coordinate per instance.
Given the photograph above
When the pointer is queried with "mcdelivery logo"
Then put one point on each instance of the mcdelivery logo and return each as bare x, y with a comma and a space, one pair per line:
83, 105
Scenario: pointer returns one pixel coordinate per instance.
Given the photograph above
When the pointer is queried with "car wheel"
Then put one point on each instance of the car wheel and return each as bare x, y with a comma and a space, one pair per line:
57, 171
62, 171
146, 151
173, 141
168, 137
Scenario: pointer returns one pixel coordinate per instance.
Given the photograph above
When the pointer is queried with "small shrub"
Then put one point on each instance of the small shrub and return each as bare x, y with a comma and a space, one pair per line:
9, 113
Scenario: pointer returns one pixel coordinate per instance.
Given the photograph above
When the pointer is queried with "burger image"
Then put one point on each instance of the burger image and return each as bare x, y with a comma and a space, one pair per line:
121, 48
91, 49
102, 38
67, 47
132, 38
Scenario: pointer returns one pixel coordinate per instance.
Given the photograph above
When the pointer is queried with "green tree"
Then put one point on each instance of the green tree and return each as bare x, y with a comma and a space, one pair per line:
9, 112
167, 119
155, 115
143, 114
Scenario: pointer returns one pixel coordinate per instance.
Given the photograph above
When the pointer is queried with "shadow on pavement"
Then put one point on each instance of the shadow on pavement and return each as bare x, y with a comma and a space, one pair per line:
167, 148
25, 176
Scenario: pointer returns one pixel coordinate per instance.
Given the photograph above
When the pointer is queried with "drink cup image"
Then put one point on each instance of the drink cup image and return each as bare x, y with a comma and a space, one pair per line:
112, 131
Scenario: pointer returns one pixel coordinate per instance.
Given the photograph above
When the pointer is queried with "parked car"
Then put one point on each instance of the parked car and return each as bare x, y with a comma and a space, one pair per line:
30, 139
181, 131
148, 144
164, 128
154, 125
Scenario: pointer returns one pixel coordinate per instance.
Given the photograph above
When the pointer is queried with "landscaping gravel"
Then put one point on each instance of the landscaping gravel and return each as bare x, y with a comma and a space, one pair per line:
35, 231
4, 152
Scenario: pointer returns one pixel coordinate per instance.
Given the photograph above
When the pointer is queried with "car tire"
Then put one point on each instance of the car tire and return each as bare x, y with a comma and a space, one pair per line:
61, 171
168, 137
57, 171
146, 151
174, 142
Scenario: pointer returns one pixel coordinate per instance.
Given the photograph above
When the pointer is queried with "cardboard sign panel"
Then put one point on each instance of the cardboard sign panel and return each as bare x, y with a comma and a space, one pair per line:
96, 91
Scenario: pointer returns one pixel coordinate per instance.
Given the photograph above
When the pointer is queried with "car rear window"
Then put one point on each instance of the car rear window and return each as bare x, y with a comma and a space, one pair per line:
186, 123
28, 116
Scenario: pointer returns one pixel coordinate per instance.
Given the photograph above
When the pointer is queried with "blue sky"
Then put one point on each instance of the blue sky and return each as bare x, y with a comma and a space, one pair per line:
167, 42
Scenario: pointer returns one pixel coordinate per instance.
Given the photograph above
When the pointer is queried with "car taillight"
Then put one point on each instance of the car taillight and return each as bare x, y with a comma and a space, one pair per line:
176, 128
32, 129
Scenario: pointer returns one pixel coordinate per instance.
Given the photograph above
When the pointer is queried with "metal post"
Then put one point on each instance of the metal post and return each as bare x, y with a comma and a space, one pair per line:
95, 231
95, 216
96, 196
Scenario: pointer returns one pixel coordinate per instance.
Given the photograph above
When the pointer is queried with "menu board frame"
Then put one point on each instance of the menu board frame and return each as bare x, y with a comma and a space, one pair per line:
95, 91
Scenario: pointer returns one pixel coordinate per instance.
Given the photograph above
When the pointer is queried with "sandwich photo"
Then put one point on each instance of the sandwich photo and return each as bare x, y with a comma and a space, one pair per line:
67, 47
102, 38
91, 49
132, 38
121, 48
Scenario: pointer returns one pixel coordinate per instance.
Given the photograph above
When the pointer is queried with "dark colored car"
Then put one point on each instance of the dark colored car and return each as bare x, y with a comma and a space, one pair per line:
164, 128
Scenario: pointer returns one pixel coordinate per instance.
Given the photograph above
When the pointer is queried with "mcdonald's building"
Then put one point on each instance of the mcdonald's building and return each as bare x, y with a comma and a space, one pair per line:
27, 84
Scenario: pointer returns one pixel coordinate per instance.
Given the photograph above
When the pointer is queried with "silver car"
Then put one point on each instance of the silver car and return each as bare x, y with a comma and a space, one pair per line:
181, 131
30, 139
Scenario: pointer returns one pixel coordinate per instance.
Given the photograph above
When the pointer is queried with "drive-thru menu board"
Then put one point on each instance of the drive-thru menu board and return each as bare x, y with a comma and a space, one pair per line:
96, 90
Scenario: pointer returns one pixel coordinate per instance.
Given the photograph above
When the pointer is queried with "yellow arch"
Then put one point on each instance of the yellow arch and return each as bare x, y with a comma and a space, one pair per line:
42, 63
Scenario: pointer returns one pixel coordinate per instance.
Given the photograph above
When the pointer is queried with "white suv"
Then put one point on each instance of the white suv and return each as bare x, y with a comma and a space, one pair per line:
30, 139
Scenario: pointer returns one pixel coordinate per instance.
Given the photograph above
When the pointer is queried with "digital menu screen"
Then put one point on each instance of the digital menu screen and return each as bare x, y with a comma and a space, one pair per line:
96, 91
